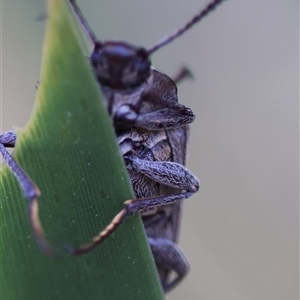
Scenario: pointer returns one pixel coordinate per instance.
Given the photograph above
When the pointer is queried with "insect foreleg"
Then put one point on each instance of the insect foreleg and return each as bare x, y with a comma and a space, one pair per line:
174, 116
8, 139
29, 189
165, 118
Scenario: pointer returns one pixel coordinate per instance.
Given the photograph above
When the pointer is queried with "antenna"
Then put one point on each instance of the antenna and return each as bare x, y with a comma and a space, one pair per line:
168, 39
83, 21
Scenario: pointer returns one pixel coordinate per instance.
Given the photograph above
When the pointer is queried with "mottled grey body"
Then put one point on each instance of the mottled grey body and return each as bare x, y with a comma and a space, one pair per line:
161, 222
152, 135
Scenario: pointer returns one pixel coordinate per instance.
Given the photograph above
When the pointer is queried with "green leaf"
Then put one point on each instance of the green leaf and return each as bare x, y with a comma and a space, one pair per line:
69, 150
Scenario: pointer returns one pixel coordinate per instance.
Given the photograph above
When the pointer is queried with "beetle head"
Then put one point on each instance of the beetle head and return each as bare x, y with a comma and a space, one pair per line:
119, 65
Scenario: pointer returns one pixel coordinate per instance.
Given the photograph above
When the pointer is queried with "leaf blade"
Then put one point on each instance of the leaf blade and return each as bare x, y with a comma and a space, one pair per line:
65, 148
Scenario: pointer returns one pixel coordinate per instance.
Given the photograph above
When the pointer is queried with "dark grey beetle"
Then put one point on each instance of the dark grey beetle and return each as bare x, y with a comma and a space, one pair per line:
152, 132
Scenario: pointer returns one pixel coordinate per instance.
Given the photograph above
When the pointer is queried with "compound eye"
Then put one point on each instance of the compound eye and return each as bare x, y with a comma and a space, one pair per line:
95, 57
98, 45
144, 68
143, 54
144, 62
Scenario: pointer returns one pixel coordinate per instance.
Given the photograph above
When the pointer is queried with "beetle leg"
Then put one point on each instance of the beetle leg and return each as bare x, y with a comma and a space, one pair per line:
130, 207
182, 74
29, 189
165, 172
173, 116
166, 118
8, 139
169, 258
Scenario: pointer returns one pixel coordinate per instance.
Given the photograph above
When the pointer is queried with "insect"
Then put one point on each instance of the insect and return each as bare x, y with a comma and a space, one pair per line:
152, 133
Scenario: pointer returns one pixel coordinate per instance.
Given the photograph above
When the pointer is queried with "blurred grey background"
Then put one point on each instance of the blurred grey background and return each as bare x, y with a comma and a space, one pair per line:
240, 232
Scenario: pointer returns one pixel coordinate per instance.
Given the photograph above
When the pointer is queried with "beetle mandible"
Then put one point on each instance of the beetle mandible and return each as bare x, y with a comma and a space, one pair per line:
152, 132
